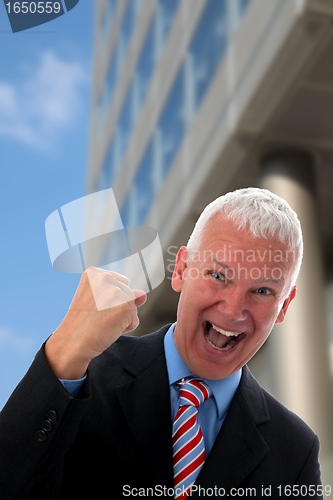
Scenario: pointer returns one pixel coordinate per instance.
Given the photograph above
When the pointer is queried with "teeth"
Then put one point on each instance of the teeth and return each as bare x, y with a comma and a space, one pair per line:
224, 332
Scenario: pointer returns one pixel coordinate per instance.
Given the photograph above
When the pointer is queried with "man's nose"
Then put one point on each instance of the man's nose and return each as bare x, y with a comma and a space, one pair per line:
232, 305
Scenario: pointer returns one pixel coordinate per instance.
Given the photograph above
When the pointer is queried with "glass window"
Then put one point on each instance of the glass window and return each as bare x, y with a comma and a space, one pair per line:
145, 65
166, 10
189, 82
125, 123
117, 148
128, 21
120, 50
133, 97
141, 195
110, 81
207, 47
126, 31
108, 18
106, 175
151, 50
157, 174
144, 186
102, 108
171, 126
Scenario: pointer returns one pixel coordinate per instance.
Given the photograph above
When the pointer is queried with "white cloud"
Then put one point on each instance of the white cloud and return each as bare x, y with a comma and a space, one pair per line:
8, 101
44, 102
12, 341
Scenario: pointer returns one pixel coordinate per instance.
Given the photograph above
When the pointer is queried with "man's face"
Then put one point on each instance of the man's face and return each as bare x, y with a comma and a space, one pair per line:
234, 288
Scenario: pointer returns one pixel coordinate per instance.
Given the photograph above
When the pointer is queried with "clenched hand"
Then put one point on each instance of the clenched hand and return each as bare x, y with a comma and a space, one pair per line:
103, 308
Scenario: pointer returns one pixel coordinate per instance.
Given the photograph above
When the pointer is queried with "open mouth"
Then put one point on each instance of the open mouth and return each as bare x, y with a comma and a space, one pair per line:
220, 339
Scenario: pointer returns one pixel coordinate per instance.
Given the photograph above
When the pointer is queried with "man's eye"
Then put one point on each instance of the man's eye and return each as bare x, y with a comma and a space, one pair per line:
218, 276
263, 291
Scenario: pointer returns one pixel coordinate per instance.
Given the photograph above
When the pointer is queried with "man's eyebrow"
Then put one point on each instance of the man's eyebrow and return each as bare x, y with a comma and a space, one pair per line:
279, 281
221, 263
264, 279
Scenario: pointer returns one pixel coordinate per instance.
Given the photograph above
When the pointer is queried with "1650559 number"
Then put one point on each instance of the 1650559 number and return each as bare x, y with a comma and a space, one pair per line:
304, 491
33, 7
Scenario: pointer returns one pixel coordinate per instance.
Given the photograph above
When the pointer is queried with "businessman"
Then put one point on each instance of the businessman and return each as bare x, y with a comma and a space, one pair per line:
175, 413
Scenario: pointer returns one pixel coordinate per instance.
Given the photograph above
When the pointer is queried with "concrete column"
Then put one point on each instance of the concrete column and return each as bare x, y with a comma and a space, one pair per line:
299, 347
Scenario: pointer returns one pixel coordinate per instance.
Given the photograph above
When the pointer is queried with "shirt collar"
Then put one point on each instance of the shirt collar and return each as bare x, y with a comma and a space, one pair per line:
223, 390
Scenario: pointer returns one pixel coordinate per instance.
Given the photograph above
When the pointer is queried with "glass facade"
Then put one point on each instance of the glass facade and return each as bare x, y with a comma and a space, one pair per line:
218, 21
151, 51
119, 53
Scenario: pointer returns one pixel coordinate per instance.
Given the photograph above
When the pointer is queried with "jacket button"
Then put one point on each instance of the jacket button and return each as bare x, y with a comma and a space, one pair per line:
52, 415
41, 436
47, 426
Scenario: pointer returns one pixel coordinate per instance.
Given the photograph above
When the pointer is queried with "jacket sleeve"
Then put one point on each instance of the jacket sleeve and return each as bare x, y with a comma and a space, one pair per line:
37, 426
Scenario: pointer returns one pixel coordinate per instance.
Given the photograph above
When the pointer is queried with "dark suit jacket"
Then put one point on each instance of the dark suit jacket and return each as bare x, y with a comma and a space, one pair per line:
115, 441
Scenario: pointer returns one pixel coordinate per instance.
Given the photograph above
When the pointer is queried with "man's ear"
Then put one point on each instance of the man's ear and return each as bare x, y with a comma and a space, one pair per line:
179, 269
285, 306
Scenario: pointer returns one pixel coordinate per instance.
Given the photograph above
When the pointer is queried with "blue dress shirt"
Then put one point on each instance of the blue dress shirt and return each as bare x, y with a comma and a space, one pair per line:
213, 411
73, 386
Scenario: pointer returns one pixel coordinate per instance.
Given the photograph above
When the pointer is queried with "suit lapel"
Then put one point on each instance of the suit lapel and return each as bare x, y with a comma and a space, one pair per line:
146, 405
239, 446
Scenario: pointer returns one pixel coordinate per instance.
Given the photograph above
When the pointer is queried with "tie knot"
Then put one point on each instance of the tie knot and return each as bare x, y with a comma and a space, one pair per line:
193, 392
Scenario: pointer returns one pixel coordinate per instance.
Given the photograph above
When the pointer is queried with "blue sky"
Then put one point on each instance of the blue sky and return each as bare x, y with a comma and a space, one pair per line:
45, 105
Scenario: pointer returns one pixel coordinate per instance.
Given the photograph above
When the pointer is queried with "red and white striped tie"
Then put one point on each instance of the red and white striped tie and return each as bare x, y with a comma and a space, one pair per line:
187, 439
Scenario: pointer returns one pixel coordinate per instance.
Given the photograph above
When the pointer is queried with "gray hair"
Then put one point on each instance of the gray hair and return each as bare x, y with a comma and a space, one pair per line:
259, 211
